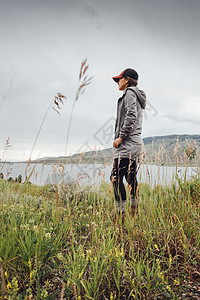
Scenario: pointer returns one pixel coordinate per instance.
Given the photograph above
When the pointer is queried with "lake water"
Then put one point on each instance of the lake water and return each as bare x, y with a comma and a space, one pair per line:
89, 173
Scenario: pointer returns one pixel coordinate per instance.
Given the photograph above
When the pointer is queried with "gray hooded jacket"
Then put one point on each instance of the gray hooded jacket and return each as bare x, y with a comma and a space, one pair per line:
128, 123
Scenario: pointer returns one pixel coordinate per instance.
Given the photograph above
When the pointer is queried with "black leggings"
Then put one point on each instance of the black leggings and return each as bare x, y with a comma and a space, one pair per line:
128, 168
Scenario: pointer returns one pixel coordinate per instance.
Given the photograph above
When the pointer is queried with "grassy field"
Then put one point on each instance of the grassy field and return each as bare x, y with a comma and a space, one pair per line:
65, 244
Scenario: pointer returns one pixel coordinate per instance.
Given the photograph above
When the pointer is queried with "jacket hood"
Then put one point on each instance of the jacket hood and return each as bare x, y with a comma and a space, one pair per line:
140, 95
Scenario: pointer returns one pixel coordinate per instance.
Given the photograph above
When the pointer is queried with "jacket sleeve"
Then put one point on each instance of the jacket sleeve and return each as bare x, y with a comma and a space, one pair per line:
130, 114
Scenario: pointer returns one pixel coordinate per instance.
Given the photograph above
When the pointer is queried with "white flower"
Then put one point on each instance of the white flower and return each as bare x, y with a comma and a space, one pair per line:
48, 235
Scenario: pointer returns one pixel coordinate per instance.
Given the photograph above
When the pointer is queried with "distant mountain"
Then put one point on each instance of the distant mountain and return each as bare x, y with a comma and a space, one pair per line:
157, 149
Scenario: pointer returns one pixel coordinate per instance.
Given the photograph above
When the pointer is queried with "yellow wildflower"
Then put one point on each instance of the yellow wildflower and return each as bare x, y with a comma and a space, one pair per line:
176, 282
80, 275
168, 287
116, 252
9, 286
89, 252
94, 259
160, 275
29, 263
156, 247
15, 283
170, 259
112, 297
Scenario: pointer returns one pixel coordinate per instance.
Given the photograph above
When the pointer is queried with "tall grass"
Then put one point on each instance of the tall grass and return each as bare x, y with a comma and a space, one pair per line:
76, 248
83, 82
55, 104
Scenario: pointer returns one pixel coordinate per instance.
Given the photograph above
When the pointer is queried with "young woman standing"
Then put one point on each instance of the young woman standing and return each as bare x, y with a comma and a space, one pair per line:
127, 142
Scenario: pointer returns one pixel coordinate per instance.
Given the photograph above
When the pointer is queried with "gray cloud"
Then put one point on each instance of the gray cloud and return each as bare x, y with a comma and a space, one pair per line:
45, 42
182, 120
88, 11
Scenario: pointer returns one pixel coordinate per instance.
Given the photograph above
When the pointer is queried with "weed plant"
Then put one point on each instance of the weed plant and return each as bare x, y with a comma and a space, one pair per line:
61, 247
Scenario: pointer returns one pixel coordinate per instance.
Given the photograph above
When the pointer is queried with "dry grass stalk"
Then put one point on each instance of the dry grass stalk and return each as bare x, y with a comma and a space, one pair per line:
197, 157
80, 157
27, 169
190, 153
182, 163
176, 154
61, 168
57, 100
83, 82
162, 151
3, 282
62, 291
152, 152
6, 148
56, 193
9, 171
142, 154
156, 157
43, 166
129, 187
159, 154
75, 291
104, 170
138, 188
166, 160
111, 191
148, 173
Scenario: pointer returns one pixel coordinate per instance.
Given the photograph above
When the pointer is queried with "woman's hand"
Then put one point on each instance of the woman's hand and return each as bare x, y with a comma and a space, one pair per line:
117, 142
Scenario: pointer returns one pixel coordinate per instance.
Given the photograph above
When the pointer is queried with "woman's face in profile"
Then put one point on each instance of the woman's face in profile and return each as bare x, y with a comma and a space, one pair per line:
122, 84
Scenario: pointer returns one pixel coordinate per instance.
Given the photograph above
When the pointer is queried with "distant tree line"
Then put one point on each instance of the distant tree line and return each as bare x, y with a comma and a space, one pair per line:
17, 179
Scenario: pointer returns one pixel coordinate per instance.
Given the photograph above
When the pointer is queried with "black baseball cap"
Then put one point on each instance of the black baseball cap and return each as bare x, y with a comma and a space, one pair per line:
126, 73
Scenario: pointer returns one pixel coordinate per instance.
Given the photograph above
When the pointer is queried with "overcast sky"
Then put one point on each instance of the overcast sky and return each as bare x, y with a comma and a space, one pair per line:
42, 45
